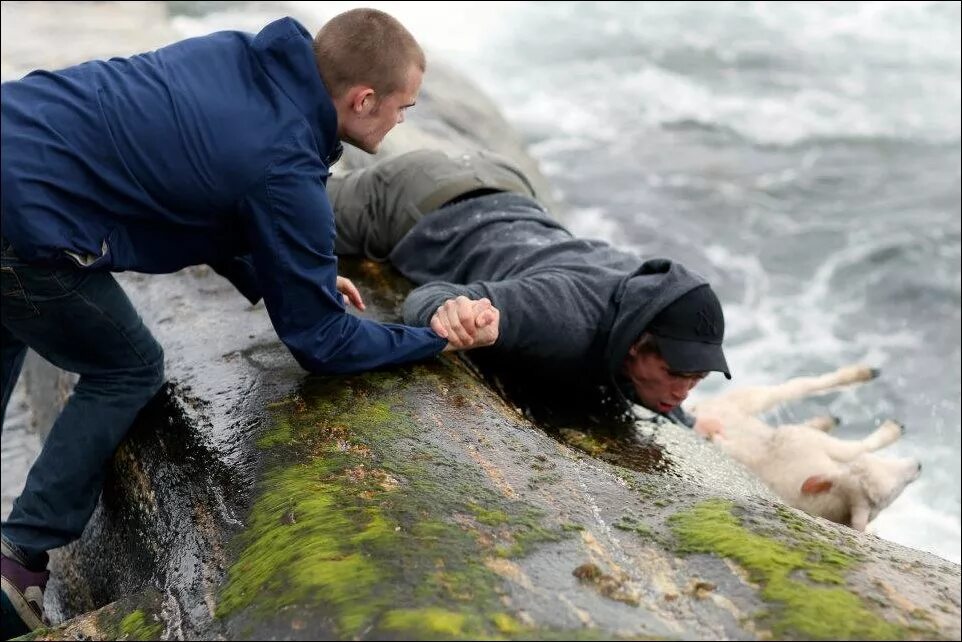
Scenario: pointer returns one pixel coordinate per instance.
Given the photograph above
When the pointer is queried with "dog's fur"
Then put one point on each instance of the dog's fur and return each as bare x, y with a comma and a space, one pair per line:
837, 479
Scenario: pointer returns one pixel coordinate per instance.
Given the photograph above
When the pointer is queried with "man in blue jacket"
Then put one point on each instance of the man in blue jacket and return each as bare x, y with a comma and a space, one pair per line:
573, 312
213, 150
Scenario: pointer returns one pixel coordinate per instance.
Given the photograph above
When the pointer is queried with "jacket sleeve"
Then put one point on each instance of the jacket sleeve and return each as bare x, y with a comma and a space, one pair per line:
421, 304
239, 270
290, 226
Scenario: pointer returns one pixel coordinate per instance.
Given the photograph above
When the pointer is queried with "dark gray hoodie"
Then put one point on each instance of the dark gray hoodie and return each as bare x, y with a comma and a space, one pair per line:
570, 307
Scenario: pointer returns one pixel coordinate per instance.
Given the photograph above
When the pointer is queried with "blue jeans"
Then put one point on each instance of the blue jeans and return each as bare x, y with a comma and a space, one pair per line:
81, 322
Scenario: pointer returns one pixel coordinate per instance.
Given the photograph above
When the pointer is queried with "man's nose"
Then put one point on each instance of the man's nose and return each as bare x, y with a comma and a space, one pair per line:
682, 388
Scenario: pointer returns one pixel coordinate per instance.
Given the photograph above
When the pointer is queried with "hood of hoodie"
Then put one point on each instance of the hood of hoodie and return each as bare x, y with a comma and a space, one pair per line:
286, 51
638, 299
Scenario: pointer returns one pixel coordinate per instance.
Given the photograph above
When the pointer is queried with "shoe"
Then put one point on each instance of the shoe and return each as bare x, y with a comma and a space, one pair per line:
22, 595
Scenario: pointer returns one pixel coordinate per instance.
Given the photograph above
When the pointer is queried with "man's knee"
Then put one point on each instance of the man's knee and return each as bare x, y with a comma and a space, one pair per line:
443, 179
504, 173
149, 376
157, 371
425, 179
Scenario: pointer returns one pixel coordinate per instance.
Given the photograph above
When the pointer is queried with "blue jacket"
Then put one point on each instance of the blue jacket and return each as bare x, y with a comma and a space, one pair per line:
213, 150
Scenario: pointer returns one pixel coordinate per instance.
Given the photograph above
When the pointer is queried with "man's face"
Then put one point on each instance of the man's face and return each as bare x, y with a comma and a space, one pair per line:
658, 387
377, 116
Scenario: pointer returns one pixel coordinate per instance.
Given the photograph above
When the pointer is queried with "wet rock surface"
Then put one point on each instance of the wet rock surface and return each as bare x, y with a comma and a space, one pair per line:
253, 501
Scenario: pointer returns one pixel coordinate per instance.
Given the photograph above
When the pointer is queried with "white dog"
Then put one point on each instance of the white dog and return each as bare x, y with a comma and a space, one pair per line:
837, 479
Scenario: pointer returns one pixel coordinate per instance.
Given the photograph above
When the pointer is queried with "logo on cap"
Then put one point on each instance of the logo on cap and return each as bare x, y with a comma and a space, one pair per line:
706, 323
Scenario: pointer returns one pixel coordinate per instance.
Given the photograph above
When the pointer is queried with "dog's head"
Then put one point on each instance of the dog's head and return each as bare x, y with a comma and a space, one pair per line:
869, 484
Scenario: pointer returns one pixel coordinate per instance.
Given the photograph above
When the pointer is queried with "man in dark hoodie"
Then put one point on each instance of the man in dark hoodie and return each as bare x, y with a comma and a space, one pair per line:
469, 228
213, 150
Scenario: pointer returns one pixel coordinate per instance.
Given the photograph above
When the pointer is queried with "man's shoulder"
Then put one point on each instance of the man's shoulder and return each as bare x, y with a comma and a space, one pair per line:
295, 146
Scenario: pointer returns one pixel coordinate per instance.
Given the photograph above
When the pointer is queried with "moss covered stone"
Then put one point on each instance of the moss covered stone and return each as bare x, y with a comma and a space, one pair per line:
138, 626
133, 618
371, 529
629, 522
803, 579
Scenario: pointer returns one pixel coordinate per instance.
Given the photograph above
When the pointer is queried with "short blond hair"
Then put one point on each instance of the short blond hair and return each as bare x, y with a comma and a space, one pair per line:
365, 47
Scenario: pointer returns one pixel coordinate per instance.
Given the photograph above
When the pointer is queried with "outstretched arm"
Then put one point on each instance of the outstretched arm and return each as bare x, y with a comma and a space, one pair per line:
290, 229
422, 303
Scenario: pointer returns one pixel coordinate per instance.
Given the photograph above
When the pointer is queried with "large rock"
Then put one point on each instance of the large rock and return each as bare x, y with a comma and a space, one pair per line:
252, 501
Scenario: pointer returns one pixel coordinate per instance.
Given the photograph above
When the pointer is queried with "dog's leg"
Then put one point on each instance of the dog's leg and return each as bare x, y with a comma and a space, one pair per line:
825, 423
859, 517
805, 386
756, 400
844, 450
887, 433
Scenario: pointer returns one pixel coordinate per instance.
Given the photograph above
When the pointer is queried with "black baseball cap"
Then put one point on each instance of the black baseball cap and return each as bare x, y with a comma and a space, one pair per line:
689, 332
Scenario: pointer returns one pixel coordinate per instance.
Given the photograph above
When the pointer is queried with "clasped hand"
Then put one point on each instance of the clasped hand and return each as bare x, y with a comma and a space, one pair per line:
466, 323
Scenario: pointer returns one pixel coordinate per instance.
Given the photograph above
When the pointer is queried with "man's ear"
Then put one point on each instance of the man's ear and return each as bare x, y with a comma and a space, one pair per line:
816, 484
360, 99
632, 353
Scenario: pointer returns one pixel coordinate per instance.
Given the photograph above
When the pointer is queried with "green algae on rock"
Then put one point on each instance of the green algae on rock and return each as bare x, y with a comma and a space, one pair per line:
803, 579
356, 520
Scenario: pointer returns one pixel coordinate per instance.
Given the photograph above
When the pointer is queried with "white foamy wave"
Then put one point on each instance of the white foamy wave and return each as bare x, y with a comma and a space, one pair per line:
776, 73
654, 97
759, 334
773, 72
547, 114
902, 31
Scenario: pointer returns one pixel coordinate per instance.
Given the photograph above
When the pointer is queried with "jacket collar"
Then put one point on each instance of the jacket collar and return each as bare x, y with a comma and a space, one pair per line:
285, 49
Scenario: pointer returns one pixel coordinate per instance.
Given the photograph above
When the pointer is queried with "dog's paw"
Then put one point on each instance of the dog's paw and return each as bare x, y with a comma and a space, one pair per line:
825, 423
857, 374
892, 430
